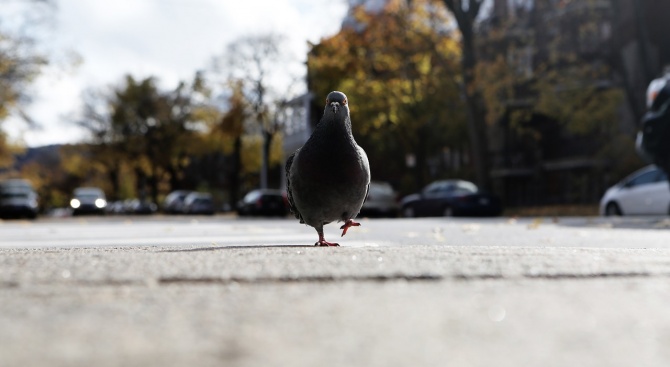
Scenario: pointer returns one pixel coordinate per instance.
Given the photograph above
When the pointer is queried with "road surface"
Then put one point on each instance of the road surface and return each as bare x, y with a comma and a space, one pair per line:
175, 291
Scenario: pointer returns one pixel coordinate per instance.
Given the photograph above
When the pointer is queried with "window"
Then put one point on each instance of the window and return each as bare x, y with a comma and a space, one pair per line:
643, 179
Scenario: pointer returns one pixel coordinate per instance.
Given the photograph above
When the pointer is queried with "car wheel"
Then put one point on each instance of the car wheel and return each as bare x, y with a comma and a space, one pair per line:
408, 212
448, 212
612, 209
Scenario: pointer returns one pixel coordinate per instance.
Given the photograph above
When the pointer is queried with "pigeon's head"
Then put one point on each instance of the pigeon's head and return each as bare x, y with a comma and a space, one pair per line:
336, 102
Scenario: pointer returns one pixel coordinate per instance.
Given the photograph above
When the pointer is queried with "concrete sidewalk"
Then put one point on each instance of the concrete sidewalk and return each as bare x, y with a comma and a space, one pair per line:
409, 305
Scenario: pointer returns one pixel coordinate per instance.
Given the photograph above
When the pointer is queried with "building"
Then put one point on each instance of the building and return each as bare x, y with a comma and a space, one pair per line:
540, 159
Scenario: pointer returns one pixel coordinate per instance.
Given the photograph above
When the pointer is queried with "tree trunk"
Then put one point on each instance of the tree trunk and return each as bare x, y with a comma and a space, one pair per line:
153, 186
465, 15
267, 143
235, 172
113, 175
634, 95
141, 183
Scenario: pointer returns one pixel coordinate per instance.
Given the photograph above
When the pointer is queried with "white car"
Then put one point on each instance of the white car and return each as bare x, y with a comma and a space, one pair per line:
381, 201
645, 192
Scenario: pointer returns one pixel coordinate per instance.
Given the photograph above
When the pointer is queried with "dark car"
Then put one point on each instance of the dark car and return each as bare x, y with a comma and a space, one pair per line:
18, 199
139, 207
88, 200
263, 202
199, 203
174, 201
450, 198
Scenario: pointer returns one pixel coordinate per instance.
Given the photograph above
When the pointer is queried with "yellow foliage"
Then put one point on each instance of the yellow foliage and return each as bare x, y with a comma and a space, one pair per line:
399, 70
251, 153
567, 93
7, 151
73, 163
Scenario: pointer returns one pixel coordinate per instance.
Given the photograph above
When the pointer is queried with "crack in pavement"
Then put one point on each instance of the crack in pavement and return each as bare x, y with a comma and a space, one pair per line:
181, 280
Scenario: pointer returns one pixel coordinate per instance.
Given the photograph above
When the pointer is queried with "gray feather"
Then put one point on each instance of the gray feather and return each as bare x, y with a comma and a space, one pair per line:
289, 192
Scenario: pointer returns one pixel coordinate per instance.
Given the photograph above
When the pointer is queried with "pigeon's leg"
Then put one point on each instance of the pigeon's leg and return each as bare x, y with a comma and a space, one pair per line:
347, 224
322, 241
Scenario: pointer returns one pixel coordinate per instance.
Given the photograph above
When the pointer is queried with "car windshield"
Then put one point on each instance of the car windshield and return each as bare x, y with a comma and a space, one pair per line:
435, 187
88, 192
176, 195
15, 194
452, 188
645, 178
380, 189
464, 188
252, 196
88, 196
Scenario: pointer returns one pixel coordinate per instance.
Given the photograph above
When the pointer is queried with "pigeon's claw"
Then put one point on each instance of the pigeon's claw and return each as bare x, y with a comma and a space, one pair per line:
324, 243
347, 224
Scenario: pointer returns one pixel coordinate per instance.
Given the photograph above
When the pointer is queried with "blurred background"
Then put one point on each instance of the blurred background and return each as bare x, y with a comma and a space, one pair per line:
536, 102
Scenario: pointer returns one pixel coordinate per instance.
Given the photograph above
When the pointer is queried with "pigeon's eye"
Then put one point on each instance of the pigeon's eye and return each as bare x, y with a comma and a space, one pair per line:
327, 101
345, 102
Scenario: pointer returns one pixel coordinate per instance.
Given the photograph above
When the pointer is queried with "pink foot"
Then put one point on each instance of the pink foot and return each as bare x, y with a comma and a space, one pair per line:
347, 224
322, 242
325, 243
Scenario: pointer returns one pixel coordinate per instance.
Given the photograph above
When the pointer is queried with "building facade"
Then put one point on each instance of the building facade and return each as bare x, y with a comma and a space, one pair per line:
583, 53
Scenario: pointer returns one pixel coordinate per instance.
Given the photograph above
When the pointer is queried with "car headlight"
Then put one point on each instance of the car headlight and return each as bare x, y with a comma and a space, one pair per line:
74, 203
100, 203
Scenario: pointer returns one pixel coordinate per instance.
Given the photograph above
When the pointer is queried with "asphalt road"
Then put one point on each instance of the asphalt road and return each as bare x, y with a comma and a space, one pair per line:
176, 291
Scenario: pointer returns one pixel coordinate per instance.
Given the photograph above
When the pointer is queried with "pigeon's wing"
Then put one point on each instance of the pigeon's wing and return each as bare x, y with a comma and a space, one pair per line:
289, 193
364, 158
367, 193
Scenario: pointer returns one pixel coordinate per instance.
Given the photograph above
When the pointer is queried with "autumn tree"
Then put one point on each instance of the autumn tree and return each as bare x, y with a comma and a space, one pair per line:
20, 64
144, 128
231, 127
399, 69
258, 62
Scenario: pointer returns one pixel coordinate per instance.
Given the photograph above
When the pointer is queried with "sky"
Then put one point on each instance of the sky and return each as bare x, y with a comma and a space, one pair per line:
94, 43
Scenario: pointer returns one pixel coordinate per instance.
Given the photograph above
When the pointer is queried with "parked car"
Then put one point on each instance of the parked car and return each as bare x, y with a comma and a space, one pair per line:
88, 200
140, 207
115, 207
451, 198
18, 199
381, 201
263, 202
644, 192
199, 203
174, 202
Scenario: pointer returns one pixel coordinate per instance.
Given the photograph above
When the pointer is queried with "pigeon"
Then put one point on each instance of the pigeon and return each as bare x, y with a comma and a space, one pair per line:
328, 178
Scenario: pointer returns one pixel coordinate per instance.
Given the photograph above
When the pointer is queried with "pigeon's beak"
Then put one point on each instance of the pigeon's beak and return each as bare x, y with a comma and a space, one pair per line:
335, 106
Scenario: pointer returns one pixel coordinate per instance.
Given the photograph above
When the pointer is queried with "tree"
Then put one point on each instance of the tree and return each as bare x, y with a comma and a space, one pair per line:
146, 129
551, 90
397, 68
231, 125
257, 61
20, 64
466, 12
